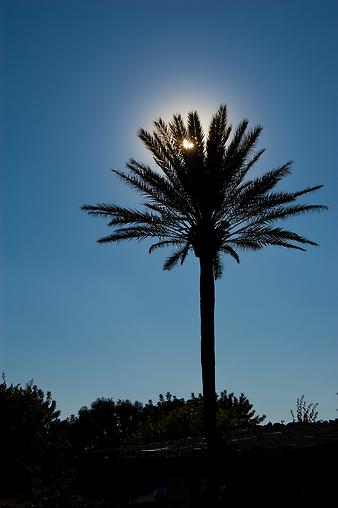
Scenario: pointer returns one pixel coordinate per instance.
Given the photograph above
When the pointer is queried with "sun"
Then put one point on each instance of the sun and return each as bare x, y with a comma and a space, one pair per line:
187, 144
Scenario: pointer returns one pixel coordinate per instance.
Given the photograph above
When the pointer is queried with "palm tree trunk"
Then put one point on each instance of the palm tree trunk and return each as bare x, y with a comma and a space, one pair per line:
207, 309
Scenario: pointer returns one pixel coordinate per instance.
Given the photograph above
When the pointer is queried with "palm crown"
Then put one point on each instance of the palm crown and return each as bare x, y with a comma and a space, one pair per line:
203, 200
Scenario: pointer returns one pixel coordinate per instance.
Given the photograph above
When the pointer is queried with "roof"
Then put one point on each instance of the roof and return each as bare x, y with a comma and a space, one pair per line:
270, 439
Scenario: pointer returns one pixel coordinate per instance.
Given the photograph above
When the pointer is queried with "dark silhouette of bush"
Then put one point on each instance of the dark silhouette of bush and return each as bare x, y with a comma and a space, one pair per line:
33, 441
38, 450
35, 452
109, 424
305, 413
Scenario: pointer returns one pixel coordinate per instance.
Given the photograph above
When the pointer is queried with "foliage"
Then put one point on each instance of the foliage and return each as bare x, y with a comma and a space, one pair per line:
37, 447
236, 412
36, 464
305, 413
104, 424
110, 424
33, 440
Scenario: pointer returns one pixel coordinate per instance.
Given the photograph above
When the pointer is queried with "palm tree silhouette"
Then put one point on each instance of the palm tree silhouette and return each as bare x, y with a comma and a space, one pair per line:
202, 201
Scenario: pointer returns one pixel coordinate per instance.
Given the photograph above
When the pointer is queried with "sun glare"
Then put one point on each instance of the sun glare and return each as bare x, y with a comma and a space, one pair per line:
188, 145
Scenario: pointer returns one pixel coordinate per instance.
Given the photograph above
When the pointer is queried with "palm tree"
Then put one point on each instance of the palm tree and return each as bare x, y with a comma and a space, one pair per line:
203, 201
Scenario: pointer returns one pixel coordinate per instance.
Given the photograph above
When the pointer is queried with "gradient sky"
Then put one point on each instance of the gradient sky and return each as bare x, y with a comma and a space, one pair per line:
78, 78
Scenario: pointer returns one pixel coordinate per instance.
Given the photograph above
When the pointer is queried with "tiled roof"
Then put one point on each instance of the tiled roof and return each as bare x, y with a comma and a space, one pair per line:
259, 440
280, 439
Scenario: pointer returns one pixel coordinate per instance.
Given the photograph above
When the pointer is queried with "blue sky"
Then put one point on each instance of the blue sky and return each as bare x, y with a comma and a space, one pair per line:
78, 78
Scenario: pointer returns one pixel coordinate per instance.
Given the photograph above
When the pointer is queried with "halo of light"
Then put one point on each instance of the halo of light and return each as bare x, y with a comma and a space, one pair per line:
187, 144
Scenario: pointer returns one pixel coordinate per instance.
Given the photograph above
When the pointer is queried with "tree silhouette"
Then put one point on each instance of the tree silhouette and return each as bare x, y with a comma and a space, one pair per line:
109, 424
203, 201
33, 441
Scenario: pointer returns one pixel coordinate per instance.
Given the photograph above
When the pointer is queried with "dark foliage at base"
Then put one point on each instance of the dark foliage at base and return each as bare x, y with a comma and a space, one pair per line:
37, 448
109, 424
33, 441
35, 465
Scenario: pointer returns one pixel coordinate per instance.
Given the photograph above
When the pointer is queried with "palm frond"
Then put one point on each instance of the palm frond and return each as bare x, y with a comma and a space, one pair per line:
169, 186
178, 129
256, 237
176, 256
229, 189
237, 155
229, 250
249, 142
245, 243
263, 184
270, 200
195, 130
234, 167
121, 215
164, 151
151, 143
217, 267
162, 129
283, 212
218, 135
134, 233
163, 243
219, 129
253, 161
237, 138
156, 194
99, 210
